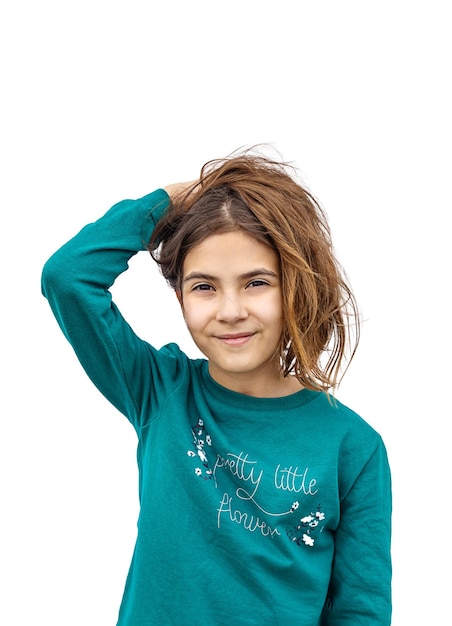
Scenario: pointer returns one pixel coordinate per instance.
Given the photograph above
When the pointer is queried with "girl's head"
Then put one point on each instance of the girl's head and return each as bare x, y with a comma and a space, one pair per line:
259, 196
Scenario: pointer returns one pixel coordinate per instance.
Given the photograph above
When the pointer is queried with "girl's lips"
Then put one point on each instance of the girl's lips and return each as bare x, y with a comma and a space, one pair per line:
235, 339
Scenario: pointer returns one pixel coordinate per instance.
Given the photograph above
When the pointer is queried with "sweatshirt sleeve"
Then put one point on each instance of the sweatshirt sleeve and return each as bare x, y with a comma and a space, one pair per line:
76, 281
360, 589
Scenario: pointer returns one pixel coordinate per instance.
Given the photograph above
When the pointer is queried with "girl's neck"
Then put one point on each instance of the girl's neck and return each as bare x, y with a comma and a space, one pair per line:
258, 386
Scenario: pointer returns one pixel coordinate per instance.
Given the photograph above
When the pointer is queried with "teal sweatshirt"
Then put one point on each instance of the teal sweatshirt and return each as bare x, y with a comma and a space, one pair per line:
253, 511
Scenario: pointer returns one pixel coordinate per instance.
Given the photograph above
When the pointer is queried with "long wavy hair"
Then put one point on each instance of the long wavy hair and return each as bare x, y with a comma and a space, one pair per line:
250, 192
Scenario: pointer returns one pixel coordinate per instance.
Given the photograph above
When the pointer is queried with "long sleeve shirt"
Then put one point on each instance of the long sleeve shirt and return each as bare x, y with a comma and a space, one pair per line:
253, 511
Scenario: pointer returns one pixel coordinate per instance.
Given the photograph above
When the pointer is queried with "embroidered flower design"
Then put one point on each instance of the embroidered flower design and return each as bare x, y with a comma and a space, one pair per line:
200, 439
308, 526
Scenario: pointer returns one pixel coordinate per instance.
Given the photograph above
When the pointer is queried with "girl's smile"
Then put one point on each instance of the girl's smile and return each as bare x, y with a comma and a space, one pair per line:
231, 300
238, 339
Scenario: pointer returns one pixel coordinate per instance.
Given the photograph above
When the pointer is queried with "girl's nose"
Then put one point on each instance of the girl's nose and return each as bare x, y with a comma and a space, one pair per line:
231, 308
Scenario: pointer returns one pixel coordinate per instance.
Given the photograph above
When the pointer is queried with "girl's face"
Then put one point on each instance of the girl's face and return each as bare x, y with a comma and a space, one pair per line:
232, 305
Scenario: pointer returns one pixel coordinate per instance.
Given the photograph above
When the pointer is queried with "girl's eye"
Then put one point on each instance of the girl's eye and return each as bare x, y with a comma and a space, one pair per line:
202, 287
257, 283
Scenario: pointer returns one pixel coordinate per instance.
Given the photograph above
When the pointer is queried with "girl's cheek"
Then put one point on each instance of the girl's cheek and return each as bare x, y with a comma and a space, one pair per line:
195, 315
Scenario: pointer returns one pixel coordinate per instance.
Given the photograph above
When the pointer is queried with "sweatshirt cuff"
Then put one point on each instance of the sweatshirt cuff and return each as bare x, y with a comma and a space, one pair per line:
156, 204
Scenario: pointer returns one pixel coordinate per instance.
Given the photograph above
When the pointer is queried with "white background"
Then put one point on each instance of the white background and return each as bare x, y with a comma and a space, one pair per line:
107, 100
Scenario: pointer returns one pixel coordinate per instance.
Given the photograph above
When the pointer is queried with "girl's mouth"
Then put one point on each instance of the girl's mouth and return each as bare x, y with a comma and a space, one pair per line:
235, 339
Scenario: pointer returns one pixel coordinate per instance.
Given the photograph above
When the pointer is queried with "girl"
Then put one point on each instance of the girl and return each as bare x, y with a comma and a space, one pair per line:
263, 500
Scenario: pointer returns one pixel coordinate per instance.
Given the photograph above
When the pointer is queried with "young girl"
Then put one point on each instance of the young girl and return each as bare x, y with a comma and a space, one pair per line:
263, 499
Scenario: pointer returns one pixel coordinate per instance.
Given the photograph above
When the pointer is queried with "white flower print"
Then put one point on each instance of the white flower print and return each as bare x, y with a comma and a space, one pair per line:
200, 439
314, 523
303, 532
202, 454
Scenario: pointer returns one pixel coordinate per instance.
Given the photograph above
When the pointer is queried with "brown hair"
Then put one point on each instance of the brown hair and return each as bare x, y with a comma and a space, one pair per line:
256, 194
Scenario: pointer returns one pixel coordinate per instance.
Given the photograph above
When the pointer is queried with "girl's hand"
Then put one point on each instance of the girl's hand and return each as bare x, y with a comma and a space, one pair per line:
179, 190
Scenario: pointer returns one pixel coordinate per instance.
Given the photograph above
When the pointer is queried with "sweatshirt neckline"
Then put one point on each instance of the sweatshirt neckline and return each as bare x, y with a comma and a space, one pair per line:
245, 402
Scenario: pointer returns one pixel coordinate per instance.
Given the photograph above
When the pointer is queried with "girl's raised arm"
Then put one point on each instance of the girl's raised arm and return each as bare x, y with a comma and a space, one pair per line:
76, 281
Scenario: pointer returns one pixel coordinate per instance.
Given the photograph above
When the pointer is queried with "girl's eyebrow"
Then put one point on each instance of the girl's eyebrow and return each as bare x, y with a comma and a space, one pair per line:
198, 276
260, 271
